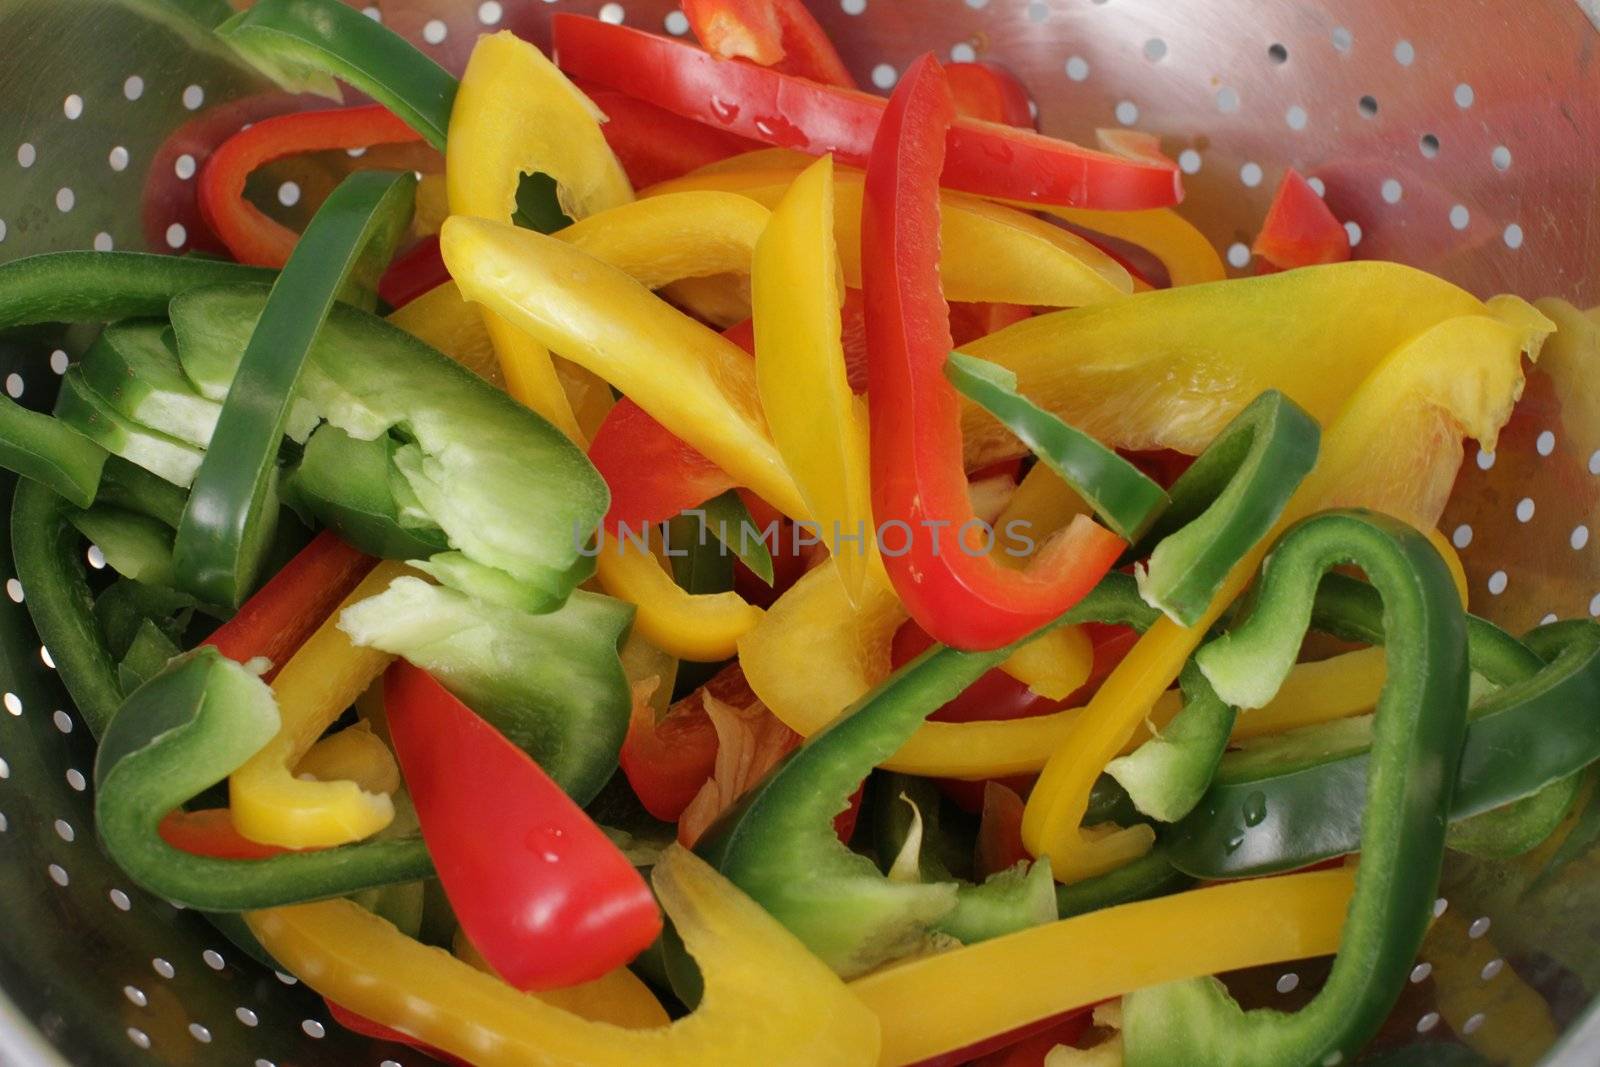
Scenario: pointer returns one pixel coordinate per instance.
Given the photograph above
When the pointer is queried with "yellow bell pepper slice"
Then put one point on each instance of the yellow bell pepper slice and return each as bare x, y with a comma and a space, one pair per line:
819, 426
667, 238
356, 754
767, 999
990, 252
1395, 447
703, 627
271, 805
697, 383
1190, 259
442, 319
1514, 1026
618, 997
950, 1000
514, 114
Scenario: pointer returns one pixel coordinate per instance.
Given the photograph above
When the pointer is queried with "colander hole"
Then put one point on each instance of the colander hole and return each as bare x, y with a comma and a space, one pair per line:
13, 703
1474, 1023
1464, 95
1492, 969
138, 1037
677, 23
1594, 605
1238, 255
265, 1063
1549, 617
1513, 236
62, 720
389, 1063
313, 1028
176, 235
1497, 583
97, 558
119, 900
1127, 112
373, 13
162, 967
963, 53
1546, 443
1462, 536
1594, 462
45, 658
289, 194
1429, 145
1077, 68
1368, 106
3, 824
1317, 186
1189, 161
72, 107
66, 199
434, 31
213, 959
5, 769
1353, 229
14, 587
1155, 49
246, 1016
133, 87
977, 4
183, 167
58, 875
1485, 459
26, 155
200, 1033
355, 153
1296, 117
1343, 39
1427, 1022
1525, 508
1501, 157
14, 385
612, 13
76, 780
135, 996
103, 242
1227, 100
286, 979
1037, 12
490, 13
2, 229
1460, 216
1288, 983
849, 7
1392, 191
1580, 537
884, 76
1250, 174
193, 97
118, 158
1440, 906
1277, 53
1479, 927
64, 831
1405, 53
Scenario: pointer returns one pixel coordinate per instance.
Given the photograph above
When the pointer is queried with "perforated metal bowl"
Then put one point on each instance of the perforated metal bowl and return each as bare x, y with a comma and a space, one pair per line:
1459, 136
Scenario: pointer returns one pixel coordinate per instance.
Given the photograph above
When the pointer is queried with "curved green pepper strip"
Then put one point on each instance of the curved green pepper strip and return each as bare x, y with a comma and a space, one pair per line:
102, 286
125, 485
1151, 875
232, 505
1518, 827
181, 733
1228, 499
50, 452
300, 43
1121, 495
1294, 799
1168, 774
778, 843
1419, 729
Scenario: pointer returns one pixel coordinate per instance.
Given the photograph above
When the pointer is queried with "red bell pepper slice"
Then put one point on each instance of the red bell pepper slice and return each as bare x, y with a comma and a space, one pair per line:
780, 34
791, 112
249, 233
280, 615
366, 1027
210, 832
654, 145
999, 844
1300, 230
1026, 1046
952, 588
537, 887
989, 92
994, 697
418, 270
668, 760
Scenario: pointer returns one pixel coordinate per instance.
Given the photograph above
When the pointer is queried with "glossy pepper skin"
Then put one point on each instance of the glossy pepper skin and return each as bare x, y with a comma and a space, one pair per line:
538, 889
780, 34
1300, 230
795, 113
955, 589
1419, 728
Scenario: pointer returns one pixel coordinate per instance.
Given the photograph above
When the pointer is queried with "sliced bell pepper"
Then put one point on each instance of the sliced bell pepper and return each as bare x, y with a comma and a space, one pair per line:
654, 145
701, 627
1189, 257
619, 997
780, 34
699, 385
442, 320
798, 1014
954, 591
103, 286
517, 114
50, 452
539, 890
414, 273
249, 233
818, 425
177, 736
792, 112
950, 1000
229, 518
668, 759
987, 252
1299, 230
989, 92
1418, 733
269, 803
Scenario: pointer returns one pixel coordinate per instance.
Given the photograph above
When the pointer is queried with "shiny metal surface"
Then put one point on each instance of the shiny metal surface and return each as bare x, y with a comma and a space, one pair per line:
1462, 137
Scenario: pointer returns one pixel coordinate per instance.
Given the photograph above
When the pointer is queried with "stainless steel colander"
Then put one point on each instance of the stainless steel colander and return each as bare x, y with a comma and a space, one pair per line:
1461, 136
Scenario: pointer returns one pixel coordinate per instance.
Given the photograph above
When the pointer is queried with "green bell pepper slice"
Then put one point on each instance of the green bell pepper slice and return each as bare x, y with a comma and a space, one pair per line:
228, 524
102, 286
84, 411
347, 485
1419, 730
178, 735
133, 367
50, 452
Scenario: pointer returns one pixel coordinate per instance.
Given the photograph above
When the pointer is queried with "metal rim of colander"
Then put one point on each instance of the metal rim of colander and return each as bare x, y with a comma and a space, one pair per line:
1422, 131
